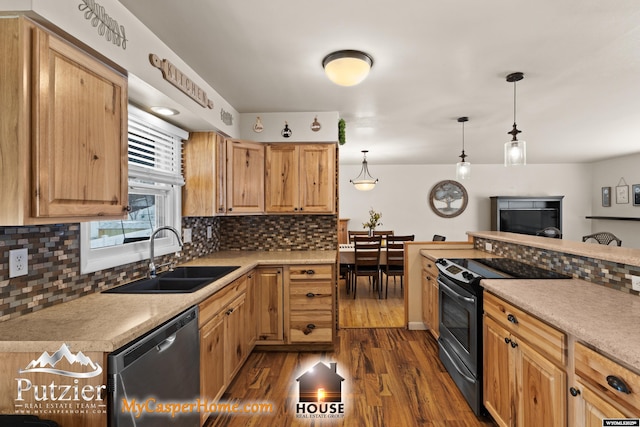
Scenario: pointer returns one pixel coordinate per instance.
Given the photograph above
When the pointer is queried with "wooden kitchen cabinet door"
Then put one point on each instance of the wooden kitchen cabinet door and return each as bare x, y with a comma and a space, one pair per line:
270, 312
282, 178
498, 377
80, 135
317, 178
212, 359
199, 195
245, 177
236, 336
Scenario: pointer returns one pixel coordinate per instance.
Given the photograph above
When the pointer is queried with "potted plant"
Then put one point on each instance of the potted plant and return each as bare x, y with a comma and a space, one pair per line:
374, 221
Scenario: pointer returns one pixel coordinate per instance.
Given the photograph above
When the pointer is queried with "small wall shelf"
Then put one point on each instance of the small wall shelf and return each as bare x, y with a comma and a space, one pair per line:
613, 218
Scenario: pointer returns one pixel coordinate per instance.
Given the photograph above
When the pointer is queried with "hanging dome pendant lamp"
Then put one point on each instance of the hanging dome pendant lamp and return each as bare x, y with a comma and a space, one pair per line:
463, 168
515, 152
364, 181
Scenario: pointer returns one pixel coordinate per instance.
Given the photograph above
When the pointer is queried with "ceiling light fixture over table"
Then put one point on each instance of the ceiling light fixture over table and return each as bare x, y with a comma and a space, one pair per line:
347, 67
515, 152
463, 168
364, 181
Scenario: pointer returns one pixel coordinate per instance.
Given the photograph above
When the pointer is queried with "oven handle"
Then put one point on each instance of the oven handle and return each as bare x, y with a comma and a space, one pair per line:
455, 365
456, 295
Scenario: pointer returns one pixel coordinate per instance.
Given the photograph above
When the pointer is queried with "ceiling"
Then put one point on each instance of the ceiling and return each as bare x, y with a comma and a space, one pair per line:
434, 61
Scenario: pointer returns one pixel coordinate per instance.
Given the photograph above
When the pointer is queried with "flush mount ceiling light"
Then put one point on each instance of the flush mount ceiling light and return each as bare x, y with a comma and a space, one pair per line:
463, 168
515, 152
364, 181
165, 111
347, 67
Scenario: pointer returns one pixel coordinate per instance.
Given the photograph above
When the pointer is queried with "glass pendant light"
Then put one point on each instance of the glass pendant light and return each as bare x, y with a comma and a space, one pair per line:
515, 152
463, 168
364, 181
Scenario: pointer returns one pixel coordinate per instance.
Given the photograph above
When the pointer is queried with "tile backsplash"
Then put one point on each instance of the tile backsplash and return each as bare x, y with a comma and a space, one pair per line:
54, 254
606, 273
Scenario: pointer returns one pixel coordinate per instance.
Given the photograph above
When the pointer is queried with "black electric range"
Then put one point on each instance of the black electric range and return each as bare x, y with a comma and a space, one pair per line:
470, 271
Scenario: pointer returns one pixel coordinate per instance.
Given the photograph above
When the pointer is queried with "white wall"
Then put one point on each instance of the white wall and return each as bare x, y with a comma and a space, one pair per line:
608, 173
403, 191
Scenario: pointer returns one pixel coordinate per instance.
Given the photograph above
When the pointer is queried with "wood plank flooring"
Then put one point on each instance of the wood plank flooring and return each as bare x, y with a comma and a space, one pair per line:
367, 310
393, 377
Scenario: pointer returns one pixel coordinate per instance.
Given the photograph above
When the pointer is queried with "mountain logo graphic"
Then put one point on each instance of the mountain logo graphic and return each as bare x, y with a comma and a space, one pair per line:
46, 363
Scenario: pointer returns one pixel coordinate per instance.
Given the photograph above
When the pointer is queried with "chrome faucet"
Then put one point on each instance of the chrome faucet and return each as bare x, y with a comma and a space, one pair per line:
152, 266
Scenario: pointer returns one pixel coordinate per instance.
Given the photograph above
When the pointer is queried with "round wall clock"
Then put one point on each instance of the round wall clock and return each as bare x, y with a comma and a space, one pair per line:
448, 199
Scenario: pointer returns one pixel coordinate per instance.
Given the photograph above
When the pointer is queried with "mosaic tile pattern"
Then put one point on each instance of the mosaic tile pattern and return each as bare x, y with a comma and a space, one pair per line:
606, 273
54, 254
279, 233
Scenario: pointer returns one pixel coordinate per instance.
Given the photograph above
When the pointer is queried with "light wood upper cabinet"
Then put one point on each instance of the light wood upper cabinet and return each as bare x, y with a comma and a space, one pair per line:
245, 177
300, 178
204, 192
64, 134
223, 176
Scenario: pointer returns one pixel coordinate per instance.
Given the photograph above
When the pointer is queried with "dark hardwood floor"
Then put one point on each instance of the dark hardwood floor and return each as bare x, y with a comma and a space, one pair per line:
393, 377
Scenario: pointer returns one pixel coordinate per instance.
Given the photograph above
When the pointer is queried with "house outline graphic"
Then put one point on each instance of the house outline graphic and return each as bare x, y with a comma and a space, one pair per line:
320, 376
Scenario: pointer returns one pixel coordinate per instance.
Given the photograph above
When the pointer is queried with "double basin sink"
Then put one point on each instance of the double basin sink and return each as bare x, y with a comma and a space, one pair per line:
179, 280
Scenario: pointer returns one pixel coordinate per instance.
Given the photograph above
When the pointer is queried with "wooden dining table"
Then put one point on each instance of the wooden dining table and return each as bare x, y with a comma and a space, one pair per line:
347, 254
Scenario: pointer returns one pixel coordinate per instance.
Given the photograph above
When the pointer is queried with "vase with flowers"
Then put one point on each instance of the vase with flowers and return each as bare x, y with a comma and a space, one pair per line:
374, 221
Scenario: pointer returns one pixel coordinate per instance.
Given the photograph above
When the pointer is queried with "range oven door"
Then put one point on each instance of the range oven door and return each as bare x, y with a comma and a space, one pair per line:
458, 319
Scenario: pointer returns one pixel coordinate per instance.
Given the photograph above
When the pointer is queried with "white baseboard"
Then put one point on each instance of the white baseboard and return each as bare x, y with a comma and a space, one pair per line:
417, 326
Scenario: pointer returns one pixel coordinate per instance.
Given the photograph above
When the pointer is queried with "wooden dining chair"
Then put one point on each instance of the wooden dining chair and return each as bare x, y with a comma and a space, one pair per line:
352, 234
383, 233
395, 259
366, 261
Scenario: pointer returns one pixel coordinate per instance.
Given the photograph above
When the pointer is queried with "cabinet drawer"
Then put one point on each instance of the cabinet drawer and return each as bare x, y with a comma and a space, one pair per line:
310, 296
310, 326
311, 272
545, 338
429, 266
216, 302
598, 371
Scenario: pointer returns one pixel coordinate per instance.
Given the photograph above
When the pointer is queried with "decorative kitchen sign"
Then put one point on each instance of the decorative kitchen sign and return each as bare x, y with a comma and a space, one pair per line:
174, 76
622, 192
286, 132
258, 127
226, 117
107, 26
315, 126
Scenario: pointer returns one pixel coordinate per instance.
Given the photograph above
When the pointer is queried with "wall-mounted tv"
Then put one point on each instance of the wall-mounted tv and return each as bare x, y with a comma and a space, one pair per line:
528, 221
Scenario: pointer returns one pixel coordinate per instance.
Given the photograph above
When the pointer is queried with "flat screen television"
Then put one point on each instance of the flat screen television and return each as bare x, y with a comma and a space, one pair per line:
528, 221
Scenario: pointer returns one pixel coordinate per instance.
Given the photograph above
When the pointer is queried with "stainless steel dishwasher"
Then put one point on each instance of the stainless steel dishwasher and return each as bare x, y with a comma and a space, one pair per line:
158, 369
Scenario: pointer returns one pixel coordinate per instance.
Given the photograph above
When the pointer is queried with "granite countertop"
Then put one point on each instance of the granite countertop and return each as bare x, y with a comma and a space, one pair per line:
604, 318
105, 322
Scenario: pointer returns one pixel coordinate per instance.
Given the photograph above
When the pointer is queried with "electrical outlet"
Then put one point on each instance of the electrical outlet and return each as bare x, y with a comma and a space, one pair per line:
18, 262
488, 247
209, 232
635, 283
186, 235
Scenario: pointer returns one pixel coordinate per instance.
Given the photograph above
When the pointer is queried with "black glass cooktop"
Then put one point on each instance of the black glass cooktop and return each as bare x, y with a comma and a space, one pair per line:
504, 268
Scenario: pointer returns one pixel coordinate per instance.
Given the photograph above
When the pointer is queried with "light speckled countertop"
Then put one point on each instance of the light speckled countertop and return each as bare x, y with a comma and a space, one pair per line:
105, 322
604, 318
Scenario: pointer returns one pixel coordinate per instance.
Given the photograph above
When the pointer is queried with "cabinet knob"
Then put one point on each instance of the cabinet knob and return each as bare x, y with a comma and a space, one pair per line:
311, 295
511, 318
127, 208
507, 340
230, 209
228, 312
310, 272
310, 327
618, 384
574, 391
513, 344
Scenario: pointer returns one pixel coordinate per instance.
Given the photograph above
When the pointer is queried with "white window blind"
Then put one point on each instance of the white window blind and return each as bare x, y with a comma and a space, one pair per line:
155, 149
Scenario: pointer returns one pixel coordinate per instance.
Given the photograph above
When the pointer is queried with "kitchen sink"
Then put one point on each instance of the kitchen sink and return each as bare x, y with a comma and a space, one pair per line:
180, 280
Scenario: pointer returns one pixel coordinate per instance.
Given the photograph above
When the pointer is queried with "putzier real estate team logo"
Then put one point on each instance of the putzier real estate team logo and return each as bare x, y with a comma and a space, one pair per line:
46, 363
320, 392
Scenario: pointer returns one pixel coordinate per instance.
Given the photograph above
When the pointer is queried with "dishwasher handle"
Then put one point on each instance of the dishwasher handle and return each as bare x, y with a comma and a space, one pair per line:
166, 343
